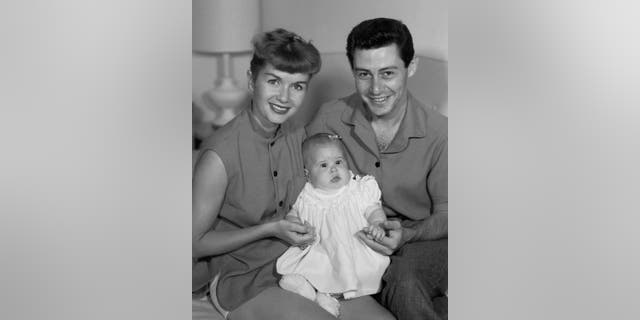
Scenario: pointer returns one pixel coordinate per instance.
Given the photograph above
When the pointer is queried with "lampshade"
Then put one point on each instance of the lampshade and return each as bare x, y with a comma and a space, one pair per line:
224, 25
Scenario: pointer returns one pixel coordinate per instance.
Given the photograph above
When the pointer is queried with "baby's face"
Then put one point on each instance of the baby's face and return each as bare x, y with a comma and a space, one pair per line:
328, 169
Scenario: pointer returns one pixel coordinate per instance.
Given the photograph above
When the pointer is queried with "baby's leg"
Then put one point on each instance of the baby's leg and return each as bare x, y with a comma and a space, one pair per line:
298, 284
329, 303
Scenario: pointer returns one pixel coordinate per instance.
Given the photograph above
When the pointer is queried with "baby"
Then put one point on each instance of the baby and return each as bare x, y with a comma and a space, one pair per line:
337, 265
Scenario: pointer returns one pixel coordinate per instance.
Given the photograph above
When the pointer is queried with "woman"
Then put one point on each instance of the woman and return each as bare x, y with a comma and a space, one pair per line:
247, 177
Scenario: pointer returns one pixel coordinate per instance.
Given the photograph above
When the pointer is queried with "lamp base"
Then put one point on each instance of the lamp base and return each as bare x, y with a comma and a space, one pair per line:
226, 101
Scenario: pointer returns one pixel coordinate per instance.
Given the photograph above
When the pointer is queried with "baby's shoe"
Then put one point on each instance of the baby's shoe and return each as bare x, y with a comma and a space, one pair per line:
329, 303
298, 284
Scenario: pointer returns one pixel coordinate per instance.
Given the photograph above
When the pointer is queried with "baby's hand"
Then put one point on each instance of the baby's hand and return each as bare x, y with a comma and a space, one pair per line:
374, 232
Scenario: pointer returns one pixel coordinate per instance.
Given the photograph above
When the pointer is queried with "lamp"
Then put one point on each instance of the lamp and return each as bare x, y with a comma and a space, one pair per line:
224, 27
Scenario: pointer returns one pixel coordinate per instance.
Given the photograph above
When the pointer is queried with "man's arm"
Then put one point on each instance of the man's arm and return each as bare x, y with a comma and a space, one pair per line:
397, 235
432, 228
435, 226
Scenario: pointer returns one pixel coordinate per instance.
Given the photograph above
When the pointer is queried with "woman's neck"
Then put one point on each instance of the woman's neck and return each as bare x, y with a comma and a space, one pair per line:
267, 127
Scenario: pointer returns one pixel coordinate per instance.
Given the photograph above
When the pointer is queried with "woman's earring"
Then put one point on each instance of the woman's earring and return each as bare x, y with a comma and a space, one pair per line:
250, 81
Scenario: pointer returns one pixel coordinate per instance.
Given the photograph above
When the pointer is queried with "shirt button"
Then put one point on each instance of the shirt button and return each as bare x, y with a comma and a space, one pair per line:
275, 173
280, 203
377, 164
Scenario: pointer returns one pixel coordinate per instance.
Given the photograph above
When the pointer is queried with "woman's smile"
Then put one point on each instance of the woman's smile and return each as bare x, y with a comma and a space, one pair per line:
279, 109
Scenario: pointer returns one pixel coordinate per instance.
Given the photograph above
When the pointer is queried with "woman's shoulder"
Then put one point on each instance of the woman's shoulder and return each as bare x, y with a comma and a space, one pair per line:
227, 135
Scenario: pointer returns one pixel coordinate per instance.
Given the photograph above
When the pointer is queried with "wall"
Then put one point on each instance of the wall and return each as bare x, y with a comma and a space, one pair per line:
328, 22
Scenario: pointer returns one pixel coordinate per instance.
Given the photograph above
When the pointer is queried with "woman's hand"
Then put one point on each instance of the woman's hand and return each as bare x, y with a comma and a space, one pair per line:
294, 232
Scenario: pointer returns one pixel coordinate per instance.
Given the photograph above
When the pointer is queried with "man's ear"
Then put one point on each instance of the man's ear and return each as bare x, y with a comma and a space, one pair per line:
413, 66
250, 83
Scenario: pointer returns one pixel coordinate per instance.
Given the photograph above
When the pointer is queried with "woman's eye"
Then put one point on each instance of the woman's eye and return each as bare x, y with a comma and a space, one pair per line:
298, 87
273, 81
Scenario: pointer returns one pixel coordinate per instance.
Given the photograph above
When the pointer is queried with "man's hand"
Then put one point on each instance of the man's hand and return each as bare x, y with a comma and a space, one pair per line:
390, 242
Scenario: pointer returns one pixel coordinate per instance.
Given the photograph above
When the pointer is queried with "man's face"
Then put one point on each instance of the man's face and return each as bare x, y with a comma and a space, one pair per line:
327, 168
381, 79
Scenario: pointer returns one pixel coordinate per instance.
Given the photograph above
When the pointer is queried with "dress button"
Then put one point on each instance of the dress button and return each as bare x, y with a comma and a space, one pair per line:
275, 173
280, 203
377, 164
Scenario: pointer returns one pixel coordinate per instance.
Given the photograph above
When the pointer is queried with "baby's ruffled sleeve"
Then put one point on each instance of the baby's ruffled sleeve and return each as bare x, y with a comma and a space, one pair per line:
370, 190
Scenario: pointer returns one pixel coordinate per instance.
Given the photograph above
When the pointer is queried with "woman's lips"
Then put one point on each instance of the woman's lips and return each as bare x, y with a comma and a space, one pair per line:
278, 108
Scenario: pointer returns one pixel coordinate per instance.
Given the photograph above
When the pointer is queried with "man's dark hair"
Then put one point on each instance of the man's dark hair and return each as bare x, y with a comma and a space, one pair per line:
381, 32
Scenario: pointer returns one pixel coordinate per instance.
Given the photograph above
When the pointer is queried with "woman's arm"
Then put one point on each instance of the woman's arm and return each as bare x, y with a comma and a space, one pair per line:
209, 187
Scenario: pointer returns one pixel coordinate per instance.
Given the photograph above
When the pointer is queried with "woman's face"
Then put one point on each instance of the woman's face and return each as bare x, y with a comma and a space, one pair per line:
277, 95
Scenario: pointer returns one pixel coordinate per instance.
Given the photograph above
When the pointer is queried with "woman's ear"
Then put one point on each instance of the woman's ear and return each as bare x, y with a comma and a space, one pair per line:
250, 83
306, 174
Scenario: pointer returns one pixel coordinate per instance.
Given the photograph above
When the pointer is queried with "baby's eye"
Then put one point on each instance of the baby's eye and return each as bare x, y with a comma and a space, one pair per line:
323, 165
338, 162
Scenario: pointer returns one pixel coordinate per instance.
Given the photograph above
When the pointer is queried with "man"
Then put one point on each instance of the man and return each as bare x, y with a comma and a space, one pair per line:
391, 135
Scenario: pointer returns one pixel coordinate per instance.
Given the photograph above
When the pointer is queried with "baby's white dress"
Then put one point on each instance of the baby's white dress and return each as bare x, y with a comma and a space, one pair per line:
337, 262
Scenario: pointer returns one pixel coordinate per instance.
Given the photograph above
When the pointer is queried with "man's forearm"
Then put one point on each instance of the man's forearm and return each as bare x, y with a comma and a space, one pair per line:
432, 228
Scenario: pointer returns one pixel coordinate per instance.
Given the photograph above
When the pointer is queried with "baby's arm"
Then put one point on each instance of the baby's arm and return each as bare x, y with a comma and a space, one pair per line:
376, 216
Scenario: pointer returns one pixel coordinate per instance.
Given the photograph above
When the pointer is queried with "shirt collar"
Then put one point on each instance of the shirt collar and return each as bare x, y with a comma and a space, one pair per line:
413, 124
257, 128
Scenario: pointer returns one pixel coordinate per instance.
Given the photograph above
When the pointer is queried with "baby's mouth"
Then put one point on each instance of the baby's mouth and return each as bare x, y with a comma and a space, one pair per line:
336, 179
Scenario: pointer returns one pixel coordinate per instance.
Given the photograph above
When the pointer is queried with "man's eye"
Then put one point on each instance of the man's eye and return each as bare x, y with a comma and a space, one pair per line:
363, 75
388, 74
273, 81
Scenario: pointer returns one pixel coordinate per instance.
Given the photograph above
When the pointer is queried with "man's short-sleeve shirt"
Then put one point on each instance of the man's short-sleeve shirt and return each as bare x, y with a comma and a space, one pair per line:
412, 172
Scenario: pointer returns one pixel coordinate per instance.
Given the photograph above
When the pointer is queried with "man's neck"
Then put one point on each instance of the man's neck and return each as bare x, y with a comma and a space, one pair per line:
386, 128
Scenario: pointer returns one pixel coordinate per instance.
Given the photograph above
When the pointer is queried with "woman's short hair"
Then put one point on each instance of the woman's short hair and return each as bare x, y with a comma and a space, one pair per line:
381, 32
285, 51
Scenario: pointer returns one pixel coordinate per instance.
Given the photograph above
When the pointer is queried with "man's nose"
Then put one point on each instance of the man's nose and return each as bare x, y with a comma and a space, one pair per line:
376, 86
